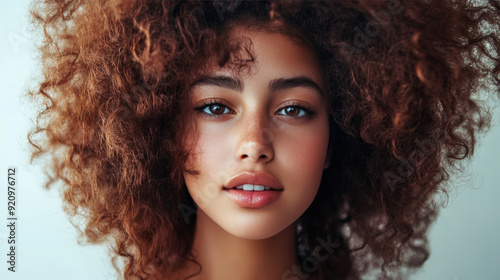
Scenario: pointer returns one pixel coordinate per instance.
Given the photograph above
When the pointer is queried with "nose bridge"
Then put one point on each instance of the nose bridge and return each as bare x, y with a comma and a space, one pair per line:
257, 125
256, 138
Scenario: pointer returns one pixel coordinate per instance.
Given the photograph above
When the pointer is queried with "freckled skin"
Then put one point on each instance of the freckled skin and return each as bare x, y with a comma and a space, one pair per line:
256, 134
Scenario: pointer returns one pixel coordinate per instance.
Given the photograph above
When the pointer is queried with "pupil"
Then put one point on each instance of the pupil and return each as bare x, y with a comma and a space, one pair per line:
292, 111
217, 109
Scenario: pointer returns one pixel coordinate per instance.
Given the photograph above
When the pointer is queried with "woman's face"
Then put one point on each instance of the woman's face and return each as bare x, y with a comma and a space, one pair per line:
267, 128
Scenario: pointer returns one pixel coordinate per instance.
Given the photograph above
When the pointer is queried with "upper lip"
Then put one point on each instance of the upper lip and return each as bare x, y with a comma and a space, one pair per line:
254, 178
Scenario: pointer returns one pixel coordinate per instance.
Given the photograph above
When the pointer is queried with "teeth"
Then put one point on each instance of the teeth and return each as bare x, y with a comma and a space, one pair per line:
249, 187
258, 188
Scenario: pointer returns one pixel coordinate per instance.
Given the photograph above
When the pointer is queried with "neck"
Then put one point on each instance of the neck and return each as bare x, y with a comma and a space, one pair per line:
224, 256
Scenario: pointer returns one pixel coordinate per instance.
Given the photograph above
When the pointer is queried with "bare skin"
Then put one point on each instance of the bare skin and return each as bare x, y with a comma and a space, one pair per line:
233, 242
226, 257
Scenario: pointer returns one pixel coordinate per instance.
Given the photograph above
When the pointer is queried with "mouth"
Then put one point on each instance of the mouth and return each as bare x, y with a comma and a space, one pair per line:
250, 188
253, 189
253, 181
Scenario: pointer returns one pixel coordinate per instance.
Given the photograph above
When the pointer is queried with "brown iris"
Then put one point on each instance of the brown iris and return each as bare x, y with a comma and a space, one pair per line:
292, 111
217, 109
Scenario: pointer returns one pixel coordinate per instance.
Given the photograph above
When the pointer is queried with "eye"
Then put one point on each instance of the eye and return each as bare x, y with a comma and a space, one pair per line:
213, 108
294, 111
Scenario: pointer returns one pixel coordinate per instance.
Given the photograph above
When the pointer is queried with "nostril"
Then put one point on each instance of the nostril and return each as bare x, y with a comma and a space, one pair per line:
254, 152
244, 156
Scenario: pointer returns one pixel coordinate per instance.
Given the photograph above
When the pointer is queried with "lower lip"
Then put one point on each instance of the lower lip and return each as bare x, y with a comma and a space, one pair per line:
252, 199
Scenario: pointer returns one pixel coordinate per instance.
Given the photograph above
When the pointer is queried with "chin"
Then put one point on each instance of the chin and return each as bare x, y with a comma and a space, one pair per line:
255, 228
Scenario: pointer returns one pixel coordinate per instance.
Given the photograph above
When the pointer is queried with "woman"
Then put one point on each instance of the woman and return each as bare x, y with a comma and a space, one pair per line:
262, 140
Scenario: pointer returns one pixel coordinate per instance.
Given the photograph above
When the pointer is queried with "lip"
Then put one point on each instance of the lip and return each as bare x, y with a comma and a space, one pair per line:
253, 199
254, 178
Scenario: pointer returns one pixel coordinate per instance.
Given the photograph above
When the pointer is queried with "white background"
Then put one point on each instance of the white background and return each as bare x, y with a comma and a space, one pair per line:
464, 241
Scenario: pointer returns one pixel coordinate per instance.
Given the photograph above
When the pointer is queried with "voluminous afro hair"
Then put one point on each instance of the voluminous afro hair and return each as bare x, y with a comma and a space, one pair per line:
402, 78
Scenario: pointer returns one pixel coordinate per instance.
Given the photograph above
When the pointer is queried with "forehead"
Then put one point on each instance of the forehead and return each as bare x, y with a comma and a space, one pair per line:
262, 51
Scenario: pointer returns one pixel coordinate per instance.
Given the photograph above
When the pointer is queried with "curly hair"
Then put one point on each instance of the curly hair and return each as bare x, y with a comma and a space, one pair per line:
402, 76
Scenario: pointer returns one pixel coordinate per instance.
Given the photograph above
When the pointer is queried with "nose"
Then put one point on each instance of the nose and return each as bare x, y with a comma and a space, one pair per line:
255, 142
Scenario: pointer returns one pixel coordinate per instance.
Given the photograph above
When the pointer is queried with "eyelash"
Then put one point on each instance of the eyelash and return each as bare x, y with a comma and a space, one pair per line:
206, 103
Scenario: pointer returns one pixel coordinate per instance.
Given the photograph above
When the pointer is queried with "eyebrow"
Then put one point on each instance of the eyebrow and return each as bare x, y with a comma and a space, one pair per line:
275, 85
299, 81
220, 81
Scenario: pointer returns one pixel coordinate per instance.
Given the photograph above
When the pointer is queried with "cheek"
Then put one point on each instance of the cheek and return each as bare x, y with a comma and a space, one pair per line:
303, 156
208, 156
305, 148
210, 146
312, 155
213, 147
